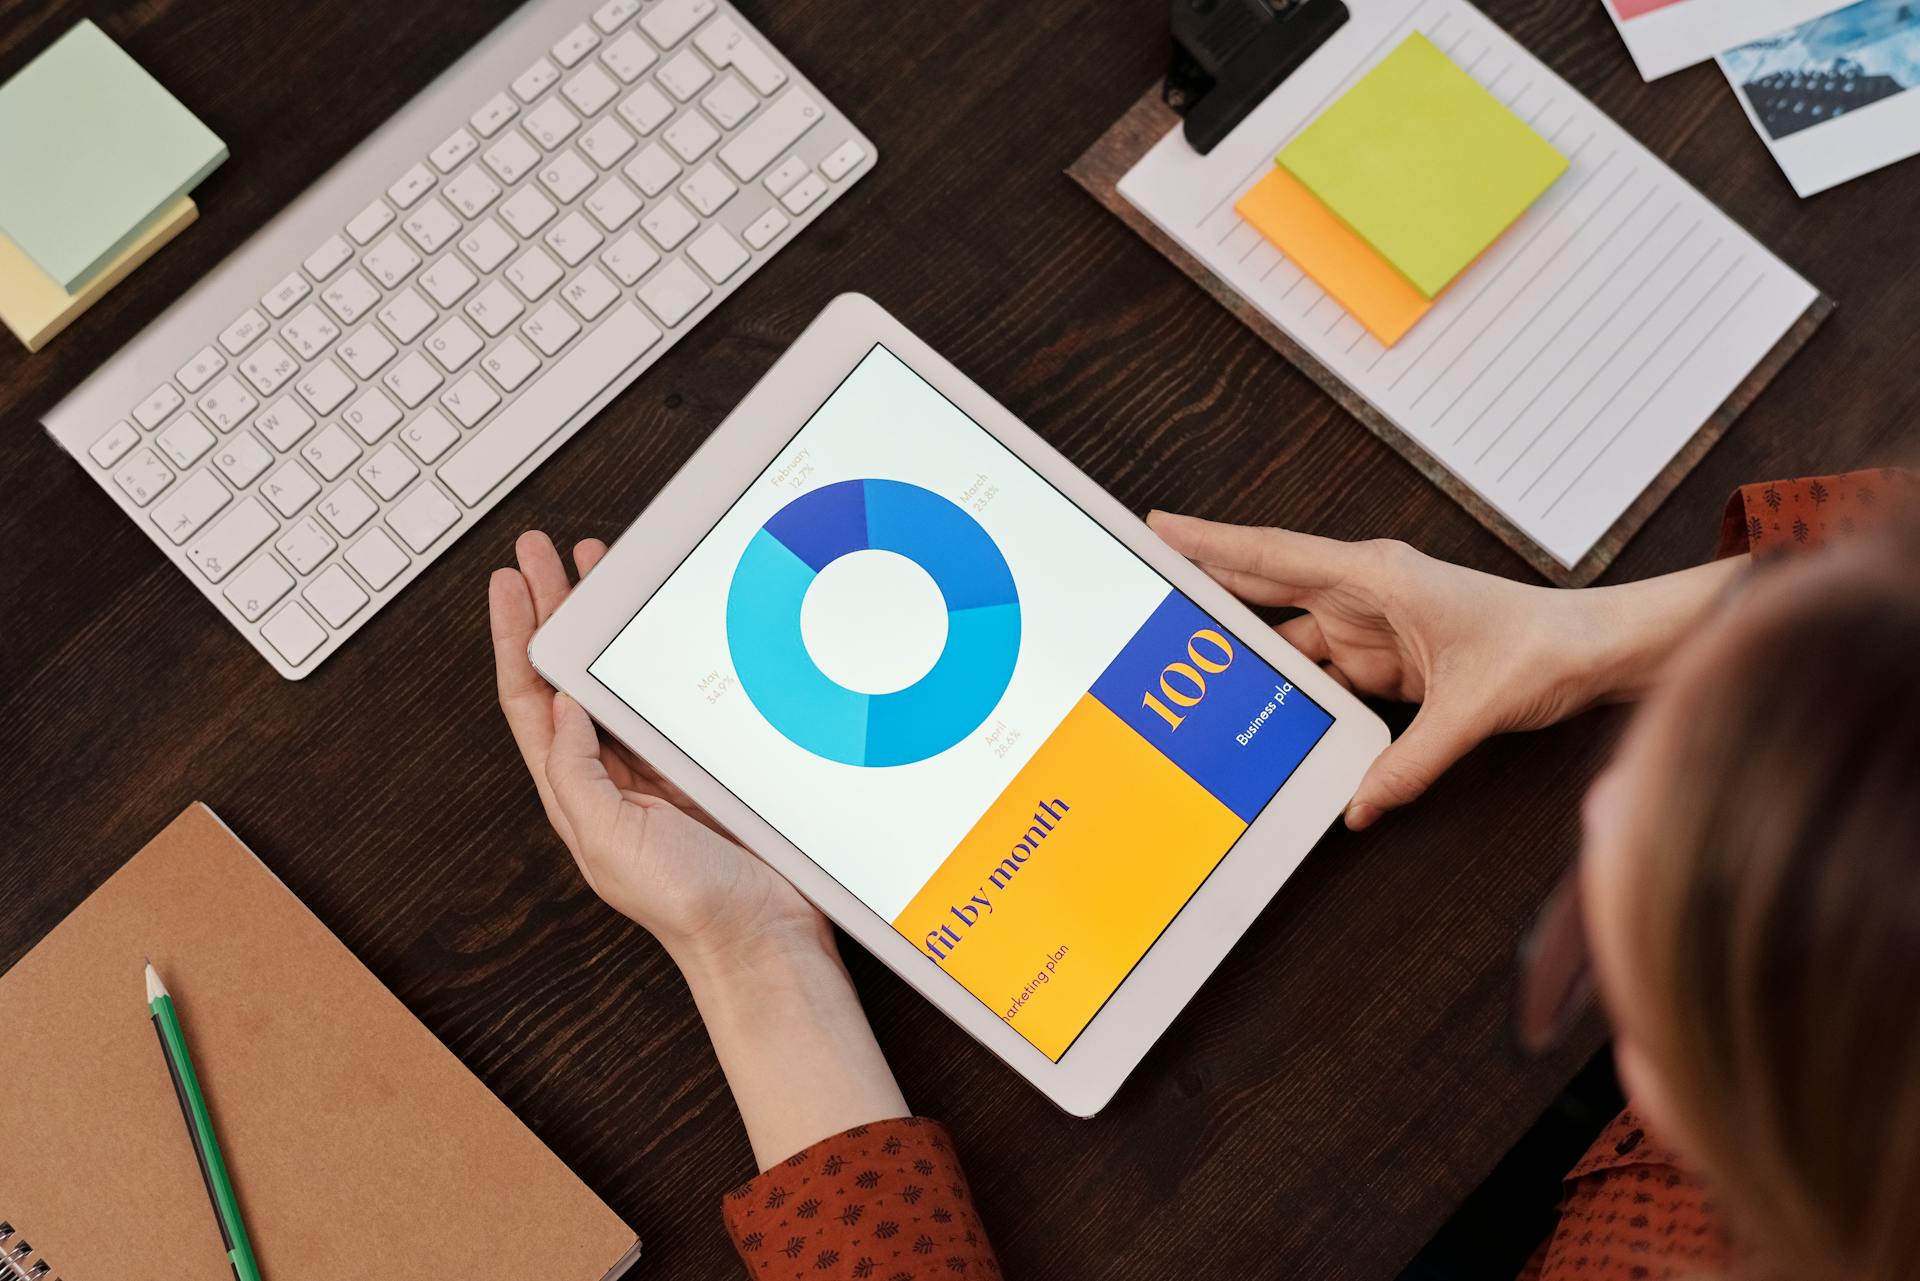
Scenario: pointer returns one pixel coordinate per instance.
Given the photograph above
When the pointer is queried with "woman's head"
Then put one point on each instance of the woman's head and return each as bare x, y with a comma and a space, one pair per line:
1751, 885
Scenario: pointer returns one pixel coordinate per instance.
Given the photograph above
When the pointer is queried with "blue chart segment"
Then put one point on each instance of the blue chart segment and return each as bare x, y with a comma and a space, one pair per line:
818, 713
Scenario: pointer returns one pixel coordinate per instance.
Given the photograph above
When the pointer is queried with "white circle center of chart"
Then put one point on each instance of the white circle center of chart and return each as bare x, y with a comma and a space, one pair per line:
874, 621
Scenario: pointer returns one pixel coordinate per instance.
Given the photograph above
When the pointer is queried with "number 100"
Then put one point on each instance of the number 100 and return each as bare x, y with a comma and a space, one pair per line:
1193, 672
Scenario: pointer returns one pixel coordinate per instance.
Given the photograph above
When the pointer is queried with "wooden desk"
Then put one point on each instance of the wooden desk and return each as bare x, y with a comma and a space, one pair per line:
1332, 1094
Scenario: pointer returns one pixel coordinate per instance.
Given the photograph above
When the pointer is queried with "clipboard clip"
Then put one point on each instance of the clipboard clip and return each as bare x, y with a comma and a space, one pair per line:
1228, 55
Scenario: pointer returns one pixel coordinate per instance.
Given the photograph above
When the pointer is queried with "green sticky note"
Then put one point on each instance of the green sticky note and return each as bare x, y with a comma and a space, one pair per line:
1425, 165
91, 150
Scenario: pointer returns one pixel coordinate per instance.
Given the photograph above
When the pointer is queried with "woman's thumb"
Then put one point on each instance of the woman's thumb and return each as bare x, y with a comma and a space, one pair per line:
1399, 775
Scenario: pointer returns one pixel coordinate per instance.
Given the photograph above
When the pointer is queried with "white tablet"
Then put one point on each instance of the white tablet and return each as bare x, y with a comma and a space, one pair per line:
971, 706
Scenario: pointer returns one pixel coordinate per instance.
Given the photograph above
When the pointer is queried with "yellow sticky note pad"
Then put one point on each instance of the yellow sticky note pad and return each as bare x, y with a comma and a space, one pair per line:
1424, 164
1341, 263
35, 307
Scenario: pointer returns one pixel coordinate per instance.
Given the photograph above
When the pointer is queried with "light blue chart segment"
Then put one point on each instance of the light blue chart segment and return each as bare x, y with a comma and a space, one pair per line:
826, 718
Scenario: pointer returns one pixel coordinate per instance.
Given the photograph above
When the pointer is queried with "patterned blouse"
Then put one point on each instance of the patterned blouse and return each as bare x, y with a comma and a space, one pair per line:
888, 1202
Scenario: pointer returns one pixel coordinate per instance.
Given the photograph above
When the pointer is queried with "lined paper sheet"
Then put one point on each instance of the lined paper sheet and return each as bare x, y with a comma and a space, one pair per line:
1567, 367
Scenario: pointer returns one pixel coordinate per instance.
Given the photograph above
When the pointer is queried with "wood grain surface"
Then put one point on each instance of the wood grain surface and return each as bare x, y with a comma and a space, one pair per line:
1339, 1086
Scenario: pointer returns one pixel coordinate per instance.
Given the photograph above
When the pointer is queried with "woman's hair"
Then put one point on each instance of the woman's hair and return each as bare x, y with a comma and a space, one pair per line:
1779, 914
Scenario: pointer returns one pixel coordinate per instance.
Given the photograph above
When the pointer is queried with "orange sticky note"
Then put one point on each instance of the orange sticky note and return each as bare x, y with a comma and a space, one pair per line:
1337, 259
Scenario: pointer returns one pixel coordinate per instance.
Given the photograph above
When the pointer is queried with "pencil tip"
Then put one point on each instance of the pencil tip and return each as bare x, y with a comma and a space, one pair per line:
155, 988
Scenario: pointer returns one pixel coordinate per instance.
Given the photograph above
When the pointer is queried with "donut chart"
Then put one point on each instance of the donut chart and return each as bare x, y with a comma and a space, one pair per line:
819, 714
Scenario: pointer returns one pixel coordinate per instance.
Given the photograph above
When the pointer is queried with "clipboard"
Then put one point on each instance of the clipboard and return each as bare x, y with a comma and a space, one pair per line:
1099, 171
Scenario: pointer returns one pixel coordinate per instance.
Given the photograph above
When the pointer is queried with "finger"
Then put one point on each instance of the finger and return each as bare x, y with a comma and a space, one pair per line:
586, 795
546, 576
1252, 588
1402, 773
586, 554
1303, 633
525, 699
1285, 558
1339, 677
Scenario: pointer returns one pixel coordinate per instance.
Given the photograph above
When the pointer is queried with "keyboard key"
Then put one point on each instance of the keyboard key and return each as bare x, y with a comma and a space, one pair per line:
369, 222
535, 80
456, 148
690, 135
610, 15
707, 189
550, 328
730, 102
294, 634
533, 273
716, 253
280, 299
669, 223
510, 363
372, 415
256, 589
347, 508
377, 558
237, 336
653, 169
324, 387
242, 459
432, 226
606, 142
494, 308
454, 343
726, 45
199, 371
487, 246
429, 435
113, 444
646, 109
310, 331
493, 115
351, 296
269, 367
447, 281
551, 123
541, 409
406, 316
781, 180
193, 504
366, 351
590, 90
234, 537
684, 74
470, 399
306, 546
842, 161
423, 516
573, 238
575, 45
673, 292
185, 441
391, 261
335, 596
330, 452
152, 411
612, 203
143, 476
670, 20
472, 191
290, 488
804, 193
227, 404
761, 231
628, 55
590, 293
566, 176
526, 210
413, 379
772, 132
410, 186
284, 423
387, 473
630, 258
512, 158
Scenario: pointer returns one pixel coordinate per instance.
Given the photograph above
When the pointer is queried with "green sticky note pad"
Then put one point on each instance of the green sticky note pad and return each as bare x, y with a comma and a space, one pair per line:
91, 150
1425, 165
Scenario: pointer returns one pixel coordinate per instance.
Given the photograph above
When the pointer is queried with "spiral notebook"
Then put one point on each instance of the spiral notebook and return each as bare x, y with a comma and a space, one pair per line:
357, 1142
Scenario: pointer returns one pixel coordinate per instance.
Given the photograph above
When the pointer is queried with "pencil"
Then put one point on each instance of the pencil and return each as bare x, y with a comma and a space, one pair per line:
193, 1106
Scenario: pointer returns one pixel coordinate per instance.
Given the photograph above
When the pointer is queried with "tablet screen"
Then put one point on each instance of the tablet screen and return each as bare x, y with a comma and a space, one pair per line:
969, 703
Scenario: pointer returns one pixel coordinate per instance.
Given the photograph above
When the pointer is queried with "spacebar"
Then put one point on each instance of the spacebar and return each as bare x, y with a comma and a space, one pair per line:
545, 406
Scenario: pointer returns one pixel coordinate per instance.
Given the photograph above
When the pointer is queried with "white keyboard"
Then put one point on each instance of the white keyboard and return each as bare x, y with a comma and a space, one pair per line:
364, 378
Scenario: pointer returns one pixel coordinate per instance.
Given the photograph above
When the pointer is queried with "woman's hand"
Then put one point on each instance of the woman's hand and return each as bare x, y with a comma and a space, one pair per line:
1482, 655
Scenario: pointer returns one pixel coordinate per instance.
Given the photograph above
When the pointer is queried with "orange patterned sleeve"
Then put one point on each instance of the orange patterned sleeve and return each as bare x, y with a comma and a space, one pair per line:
882, 1202
1784, 516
